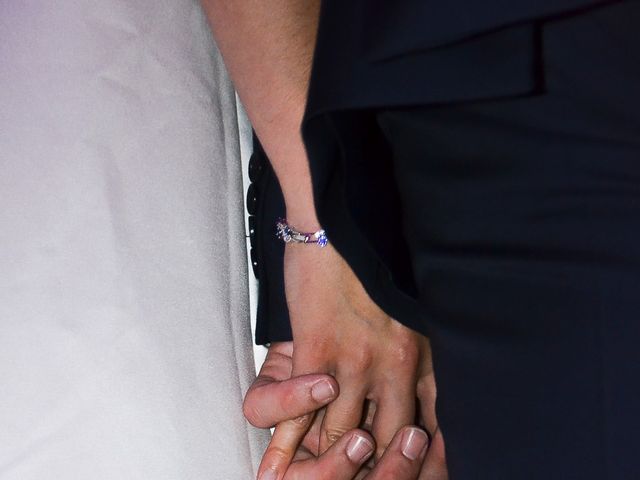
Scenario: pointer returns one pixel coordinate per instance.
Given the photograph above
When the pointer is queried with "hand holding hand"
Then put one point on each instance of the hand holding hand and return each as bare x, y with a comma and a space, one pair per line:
338, 329
275, 397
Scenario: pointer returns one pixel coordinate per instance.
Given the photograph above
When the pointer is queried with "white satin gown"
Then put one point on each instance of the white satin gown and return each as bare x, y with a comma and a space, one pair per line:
125, 343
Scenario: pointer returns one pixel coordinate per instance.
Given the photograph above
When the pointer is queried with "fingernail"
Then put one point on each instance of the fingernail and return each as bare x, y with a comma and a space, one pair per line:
414, 442
359, 449
323, 391
269, 475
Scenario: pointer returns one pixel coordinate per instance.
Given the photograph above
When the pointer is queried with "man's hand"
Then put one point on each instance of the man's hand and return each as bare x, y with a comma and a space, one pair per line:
274, 397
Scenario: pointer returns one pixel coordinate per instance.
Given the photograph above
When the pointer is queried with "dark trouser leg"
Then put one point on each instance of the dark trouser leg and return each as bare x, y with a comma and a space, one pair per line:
523, 217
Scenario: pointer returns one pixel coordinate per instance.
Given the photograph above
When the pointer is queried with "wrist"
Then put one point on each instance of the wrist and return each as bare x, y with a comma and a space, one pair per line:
302, 215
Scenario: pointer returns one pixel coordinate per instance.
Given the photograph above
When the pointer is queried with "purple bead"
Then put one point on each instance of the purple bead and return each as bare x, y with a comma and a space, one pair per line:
323, 241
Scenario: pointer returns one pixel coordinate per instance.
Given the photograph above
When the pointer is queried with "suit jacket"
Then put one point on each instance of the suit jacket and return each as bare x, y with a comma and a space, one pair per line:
374, 54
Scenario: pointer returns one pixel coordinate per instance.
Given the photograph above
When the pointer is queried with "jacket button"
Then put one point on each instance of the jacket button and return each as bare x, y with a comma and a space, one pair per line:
252, 230
254, 262
256, 166
252, 199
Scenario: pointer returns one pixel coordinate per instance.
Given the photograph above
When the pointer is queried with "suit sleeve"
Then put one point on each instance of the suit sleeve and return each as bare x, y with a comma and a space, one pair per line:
265, 204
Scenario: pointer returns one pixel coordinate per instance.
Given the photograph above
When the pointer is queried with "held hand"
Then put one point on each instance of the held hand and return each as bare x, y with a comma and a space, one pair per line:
275, 397
339, 330
345, 459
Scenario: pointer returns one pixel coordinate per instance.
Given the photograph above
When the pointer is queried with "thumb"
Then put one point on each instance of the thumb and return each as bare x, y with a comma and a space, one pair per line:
274, 397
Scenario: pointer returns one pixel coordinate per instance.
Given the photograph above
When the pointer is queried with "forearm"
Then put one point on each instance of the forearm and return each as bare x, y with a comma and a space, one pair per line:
268, 49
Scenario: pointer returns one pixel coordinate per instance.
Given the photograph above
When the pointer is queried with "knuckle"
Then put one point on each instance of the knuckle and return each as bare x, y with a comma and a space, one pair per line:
276, 455
302, 421
334, 434
314, 345
292, 396
288, 399
312, 358
360, 362
405, 351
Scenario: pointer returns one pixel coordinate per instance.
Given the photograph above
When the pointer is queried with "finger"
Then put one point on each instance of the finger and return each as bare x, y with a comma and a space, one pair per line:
278, 364
404, 456
426, 392
344, 414
341, 462
269, 402
283, 446
435, 465
284, 348
395, 408
369, 415
311, 440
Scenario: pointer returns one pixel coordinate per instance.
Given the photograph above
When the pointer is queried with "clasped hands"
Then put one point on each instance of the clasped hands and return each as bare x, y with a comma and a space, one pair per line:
345, 394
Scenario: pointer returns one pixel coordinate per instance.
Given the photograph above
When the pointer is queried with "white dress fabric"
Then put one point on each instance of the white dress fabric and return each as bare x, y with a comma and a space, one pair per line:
125, 344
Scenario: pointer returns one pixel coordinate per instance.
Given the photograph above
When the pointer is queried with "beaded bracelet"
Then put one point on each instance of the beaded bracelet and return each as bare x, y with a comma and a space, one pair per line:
287, 234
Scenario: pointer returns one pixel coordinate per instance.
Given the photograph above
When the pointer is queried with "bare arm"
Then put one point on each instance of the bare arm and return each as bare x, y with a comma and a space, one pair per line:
267, 46
268, 49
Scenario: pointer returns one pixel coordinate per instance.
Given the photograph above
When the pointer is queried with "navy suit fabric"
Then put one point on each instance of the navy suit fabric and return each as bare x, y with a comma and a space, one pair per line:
478, 165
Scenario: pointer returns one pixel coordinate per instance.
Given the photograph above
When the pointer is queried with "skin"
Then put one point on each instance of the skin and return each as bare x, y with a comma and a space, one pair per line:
267, 47
373, 357
275, 396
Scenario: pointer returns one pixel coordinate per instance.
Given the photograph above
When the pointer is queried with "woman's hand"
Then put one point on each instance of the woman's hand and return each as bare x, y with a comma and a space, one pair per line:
338, 329
275, 397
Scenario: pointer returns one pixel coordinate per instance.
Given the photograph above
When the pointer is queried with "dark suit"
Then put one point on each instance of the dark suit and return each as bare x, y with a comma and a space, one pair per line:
477, 163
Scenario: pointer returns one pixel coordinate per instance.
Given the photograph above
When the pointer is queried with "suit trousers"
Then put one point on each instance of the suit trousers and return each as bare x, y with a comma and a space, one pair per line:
522, 217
